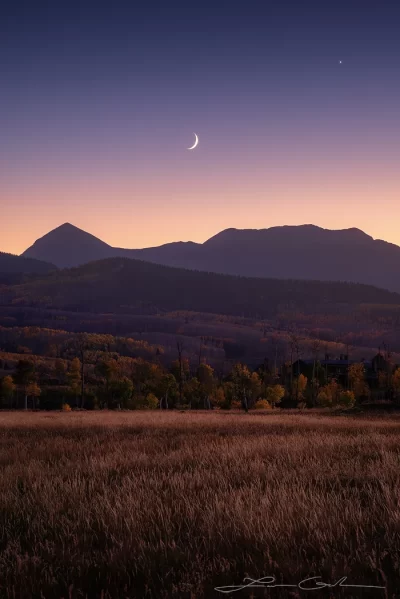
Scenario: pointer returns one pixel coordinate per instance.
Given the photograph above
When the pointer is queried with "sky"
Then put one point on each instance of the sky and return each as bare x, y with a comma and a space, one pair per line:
295, 104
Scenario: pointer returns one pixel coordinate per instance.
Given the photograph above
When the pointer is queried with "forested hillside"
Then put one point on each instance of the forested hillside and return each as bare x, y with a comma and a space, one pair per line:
11, 267
129, 286
107, 323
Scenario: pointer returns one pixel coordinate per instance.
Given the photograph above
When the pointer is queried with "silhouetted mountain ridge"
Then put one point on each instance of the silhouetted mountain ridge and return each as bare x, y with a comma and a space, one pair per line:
69, 246
294, 252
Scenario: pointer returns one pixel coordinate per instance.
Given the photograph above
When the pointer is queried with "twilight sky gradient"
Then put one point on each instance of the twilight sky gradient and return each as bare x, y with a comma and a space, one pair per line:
99, 101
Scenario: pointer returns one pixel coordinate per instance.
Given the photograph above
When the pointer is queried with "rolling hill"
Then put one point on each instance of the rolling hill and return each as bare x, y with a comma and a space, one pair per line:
124, 286
11, 267
289, 252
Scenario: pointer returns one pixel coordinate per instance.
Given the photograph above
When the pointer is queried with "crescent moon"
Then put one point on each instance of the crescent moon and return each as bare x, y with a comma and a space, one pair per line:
195, 143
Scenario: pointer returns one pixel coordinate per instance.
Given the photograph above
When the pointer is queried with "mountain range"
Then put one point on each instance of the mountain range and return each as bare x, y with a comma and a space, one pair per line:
288, 252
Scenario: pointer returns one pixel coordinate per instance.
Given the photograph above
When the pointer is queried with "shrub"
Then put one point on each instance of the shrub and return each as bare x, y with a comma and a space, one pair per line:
347, 399
275, 394
66, 407
324, 399
218, 399
151, 402
262, 404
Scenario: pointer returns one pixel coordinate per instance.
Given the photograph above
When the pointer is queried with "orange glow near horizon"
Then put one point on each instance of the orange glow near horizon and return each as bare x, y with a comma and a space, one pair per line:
296, 111
143, 214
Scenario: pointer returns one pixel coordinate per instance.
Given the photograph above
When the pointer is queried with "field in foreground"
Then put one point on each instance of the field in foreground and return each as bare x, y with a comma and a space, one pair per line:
173, 505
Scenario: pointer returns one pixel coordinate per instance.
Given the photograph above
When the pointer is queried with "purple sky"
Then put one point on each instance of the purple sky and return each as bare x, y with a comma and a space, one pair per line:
100, 100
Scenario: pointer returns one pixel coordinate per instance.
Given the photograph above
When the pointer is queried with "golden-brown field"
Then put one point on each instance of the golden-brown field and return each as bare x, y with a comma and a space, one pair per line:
175, 504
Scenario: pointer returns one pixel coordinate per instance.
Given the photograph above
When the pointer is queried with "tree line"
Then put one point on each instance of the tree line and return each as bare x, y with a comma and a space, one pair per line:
94, 378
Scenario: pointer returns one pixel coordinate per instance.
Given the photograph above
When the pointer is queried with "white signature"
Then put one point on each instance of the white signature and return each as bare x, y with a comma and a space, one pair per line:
269, 582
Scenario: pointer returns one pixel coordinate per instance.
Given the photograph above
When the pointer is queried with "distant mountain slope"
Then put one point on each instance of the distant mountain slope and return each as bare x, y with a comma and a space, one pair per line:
297, 252
123, 285
69, 246
10, 264
182, 254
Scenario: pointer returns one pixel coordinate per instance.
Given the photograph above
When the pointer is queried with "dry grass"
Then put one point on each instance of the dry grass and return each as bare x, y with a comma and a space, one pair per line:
173, 505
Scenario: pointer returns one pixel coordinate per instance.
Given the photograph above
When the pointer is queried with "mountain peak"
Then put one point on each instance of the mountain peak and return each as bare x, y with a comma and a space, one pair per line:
291, 233
69, 246
67, 228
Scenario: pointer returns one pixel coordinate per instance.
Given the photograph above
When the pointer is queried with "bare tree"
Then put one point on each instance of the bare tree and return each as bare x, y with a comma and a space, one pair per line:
80, 345
200, 350
295, 349
315, 347
179, 346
